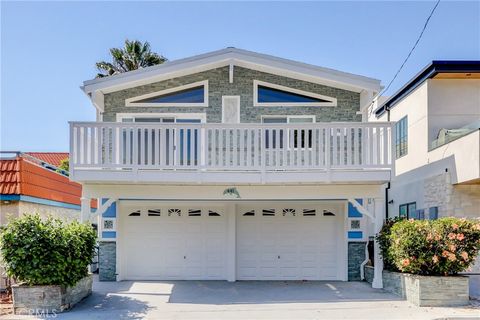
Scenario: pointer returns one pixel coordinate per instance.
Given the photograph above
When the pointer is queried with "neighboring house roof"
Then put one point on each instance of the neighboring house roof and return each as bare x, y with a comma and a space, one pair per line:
430, 71
228, 57
53, 158
9, 176
24, 177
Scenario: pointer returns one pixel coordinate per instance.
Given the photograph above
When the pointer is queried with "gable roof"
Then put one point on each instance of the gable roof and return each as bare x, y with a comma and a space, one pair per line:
234, 57
430, 71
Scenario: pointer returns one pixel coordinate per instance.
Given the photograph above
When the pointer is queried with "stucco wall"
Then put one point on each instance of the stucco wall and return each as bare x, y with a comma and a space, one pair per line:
18, 208
415, 107
348, 102
452, 103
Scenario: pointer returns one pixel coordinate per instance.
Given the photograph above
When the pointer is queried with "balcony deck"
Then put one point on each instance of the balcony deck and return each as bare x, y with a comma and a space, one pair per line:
246, 153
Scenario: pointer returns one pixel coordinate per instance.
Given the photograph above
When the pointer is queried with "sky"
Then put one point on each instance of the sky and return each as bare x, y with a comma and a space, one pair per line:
49, 48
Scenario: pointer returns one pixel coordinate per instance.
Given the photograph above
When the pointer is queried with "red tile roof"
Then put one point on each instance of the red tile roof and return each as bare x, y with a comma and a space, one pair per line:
23, 177
10, 176
53, 158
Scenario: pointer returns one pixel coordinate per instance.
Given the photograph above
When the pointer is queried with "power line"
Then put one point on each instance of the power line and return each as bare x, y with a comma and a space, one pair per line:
410, 53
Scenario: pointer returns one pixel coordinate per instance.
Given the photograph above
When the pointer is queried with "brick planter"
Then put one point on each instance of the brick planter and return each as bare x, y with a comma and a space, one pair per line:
425, 291
37, 300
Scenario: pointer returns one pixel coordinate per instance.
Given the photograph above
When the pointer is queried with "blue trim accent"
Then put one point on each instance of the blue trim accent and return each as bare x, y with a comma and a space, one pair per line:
111, 212
353, 212
355, 234
109, 234
10, 197
17, 197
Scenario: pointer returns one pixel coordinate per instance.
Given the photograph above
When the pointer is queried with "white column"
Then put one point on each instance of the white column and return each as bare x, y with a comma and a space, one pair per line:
230, 211
378, 262
85, 209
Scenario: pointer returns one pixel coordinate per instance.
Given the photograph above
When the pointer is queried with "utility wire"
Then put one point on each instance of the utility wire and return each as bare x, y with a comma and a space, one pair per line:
410, 53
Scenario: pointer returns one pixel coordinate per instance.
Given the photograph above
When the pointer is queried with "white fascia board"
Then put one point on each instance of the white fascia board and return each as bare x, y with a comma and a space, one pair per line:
242, 58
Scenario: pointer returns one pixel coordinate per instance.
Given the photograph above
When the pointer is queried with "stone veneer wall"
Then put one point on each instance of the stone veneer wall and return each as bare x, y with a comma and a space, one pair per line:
424, 291
49, 299
107, 261
462, 201
356, 255
348, 103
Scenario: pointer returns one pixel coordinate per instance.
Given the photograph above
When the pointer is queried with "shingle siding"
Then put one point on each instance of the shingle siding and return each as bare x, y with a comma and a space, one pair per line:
219, 85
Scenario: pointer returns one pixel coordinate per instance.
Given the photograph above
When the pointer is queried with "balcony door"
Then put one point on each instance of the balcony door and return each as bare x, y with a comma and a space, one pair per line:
181, 146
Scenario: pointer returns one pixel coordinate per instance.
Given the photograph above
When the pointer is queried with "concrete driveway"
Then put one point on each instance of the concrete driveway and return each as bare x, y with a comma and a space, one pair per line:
250, 300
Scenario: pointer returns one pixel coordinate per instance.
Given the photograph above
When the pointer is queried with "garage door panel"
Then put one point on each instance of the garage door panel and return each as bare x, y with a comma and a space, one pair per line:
288, 247
174, 247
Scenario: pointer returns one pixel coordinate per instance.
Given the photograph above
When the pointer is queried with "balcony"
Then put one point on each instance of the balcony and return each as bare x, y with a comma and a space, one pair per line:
212, 153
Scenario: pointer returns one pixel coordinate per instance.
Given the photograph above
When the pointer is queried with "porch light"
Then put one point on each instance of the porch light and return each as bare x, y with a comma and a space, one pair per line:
231, 193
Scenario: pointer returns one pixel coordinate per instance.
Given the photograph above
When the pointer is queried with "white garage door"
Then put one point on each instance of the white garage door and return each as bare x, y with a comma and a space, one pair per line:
173, 243
291, 242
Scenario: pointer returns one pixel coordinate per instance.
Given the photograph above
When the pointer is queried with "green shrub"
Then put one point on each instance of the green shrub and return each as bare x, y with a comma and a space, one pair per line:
383, 239
46, 252
445, 246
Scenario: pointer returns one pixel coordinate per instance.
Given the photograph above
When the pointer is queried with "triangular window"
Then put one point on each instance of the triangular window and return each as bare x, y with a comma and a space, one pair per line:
268, 94
191, 95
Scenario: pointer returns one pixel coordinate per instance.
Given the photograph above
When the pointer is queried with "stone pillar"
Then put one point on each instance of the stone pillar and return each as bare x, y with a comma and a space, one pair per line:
107, 261
378, 262
84, 209
230, 211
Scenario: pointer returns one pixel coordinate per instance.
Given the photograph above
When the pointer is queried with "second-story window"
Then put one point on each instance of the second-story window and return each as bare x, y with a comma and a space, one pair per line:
401, 137
292, 137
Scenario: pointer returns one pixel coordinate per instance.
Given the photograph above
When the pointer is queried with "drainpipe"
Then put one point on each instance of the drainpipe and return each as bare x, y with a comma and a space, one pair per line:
386, 200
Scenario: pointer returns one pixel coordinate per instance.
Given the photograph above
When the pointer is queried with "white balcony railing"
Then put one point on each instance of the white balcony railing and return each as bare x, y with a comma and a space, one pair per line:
225, 147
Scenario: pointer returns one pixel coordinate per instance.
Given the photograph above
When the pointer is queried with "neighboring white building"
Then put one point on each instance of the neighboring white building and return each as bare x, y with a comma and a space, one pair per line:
233, 165
437, 116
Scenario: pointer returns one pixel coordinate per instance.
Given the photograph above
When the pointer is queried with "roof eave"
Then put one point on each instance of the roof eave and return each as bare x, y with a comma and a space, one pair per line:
225, 57
430, 71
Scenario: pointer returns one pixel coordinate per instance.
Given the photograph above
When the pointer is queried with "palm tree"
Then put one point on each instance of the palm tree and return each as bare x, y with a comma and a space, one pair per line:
134, 55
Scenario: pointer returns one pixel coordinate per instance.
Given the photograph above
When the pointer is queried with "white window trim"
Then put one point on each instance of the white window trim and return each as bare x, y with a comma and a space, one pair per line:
289, 147
201, 116
256, 83
130, 101
313, 117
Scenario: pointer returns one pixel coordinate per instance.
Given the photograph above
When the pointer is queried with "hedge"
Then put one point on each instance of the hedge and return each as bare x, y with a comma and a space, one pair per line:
445, 246
48, 251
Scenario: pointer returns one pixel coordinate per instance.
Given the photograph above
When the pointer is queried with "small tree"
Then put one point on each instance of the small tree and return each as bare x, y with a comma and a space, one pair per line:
47, 252
134, 55
64, 165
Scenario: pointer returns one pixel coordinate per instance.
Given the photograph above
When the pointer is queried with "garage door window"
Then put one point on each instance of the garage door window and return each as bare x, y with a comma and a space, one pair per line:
194, 212
213, 213
249, 213
327, 213
174, 212
309, 212
289, 212
153, 212
135, 214
268, 212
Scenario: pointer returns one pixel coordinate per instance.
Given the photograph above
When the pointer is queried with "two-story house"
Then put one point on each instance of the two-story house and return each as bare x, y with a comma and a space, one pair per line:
437, 116
233, 165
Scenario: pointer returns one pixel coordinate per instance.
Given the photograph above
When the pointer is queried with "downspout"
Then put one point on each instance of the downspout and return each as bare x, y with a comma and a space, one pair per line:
386, 200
